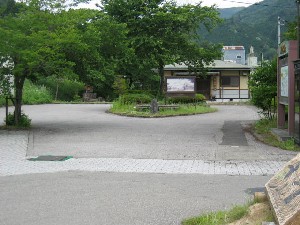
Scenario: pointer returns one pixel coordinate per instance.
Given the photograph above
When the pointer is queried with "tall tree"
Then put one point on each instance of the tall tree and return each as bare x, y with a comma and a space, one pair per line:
31, 45
44, 39
161, 32
263, 87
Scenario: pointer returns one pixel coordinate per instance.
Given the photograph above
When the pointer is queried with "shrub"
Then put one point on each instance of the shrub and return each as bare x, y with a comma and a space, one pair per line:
147, 92
33, 94
135, 99
263, 88
199, 98
120, 86
24, 122
63, 89
3, 101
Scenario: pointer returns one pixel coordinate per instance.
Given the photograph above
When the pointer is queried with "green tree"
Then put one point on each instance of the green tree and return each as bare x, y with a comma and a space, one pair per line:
161, 32
105, 50
291, 33
43, 39
32, 43
263, 87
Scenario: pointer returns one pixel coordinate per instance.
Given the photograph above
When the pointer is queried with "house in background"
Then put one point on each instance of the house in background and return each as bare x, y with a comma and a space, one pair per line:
235, 54
224, 80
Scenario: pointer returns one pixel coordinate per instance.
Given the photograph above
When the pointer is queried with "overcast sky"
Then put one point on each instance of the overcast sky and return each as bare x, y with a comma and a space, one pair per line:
219, 3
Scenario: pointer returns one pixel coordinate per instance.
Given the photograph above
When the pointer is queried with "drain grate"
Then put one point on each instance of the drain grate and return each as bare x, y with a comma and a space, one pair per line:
50, 158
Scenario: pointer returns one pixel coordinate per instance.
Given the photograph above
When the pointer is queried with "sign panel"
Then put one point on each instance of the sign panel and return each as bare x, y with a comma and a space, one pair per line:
6, 85
181, 84
284, 81
284, 193
6, 79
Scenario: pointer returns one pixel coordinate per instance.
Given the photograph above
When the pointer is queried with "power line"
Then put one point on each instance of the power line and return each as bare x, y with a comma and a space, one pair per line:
260, 4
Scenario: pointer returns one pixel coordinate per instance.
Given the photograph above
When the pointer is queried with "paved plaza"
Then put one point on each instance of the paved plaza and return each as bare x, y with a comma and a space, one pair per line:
14, 162
111, 154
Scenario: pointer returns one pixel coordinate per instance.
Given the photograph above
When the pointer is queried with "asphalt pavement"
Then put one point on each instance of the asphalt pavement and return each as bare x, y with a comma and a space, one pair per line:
130, 170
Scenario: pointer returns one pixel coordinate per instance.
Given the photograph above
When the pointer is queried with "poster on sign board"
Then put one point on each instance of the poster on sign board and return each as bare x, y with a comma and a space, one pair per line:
181, 84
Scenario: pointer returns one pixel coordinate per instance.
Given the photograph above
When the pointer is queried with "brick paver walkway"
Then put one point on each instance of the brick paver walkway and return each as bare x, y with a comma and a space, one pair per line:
13, 162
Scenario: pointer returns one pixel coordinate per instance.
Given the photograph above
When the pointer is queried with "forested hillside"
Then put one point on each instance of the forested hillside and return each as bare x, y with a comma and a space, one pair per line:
229, 12
255, 25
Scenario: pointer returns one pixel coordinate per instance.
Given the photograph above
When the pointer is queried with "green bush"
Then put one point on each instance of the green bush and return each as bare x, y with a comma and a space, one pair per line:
199, 98
63, 89
24, 122
120, 86
3, 101
127, 99
147, 92
33, 94
263, 87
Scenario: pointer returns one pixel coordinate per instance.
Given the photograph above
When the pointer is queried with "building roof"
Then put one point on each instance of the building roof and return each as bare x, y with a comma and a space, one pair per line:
216, 65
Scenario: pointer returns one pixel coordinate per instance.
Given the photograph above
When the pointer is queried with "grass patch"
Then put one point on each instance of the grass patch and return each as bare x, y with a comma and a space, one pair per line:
130, 110
80, 102
262, 129
220, 217
255, 212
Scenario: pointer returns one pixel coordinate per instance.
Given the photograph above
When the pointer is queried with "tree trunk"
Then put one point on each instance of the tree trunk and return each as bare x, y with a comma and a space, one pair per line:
19, 83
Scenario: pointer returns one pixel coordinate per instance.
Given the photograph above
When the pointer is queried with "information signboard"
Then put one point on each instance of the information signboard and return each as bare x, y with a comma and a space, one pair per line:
180, 85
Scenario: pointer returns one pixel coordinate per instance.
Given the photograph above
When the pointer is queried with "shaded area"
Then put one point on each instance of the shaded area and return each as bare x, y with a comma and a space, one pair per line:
234, 134
251, 191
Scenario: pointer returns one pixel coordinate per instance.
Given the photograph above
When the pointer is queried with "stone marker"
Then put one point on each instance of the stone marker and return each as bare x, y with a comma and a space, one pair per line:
283, 190
154, 106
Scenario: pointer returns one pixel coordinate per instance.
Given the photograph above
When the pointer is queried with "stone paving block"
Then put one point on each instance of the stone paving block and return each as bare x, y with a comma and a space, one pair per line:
13, 162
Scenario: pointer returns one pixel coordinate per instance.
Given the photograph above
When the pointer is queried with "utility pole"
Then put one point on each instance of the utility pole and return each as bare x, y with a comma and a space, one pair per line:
298, 26
280, 23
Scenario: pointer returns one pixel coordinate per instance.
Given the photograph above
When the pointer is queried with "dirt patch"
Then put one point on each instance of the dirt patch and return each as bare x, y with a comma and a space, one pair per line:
258, 213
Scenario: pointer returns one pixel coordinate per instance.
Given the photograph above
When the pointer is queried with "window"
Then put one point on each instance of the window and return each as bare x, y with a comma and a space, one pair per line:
230, 81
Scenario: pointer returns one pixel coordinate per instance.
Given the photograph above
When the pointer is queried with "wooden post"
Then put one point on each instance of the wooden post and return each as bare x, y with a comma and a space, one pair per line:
6, 114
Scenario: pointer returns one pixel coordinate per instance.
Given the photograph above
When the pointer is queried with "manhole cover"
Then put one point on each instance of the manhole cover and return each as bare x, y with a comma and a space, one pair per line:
50, 158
